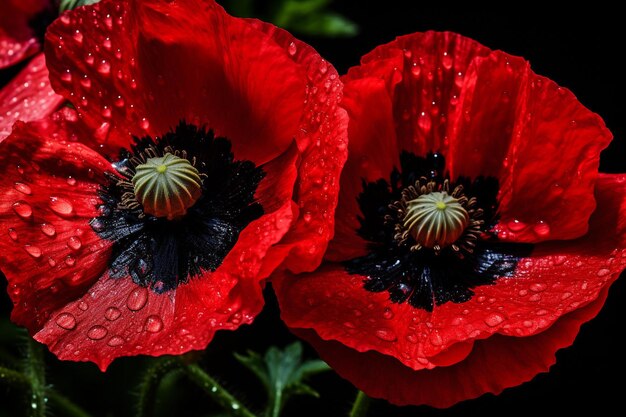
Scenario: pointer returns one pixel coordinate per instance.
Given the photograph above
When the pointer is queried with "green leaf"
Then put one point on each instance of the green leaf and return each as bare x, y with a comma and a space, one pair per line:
324, 24
283, 374
72, 4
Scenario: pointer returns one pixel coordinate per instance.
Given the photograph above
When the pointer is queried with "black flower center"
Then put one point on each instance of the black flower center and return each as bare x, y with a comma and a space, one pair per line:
429, 240
161, 252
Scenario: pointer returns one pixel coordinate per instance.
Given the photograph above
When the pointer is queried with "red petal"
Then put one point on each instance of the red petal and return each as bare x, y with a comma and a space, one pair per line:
558, 278
552, 165
373, 155
115, 317
48, 194
27, 97
91, 54
322, 138
17, 40
493, 365
491, 115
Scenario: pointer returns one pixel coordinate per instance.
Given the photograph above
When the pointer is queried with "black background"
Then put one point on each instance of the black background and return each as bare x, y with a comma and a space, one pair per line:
579, 49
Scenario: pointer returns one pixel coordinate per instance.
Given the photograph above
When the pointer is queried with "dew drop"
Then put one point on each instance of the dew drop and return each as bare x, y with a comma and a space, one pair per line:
52, 262
516, 225
66, 76
61, 206
66, 321
604, 272
436, 339
12, 233
74, 243
388, 313
112, 314
137, 299
83, 306
292, 49
23, 188
566, 295
446, 61
97, 332
71, 181
423, 121
70, 261
33, 251
387, 335
527, 323
115, 341
541, 229
416, 70
104, 68
154, 324
48, 229
538, 287
144, 124
85, 82
22, 209
493, 320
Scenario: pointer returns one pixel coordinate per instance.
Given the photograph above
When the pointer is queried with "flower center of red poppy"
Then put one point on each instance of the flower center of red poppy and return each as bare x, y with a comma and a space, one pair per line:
436, 217
167, 186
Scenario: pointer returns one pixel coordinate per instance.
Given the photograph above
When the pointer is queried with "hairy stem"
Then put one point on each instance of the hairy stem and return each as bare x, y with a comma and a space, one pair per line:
217, 392
35, 372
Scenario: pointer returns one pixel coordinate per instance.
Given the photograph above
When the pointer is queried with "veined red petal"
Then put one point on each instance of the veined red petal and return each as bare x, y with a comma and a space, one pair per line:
49, 252
558, 278
493, 364
27, 97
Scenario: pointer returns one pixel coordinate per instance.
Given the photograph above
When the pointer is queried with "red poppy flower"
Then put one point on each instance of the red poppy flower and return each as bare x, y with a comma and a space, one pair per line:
474, 235
133, 228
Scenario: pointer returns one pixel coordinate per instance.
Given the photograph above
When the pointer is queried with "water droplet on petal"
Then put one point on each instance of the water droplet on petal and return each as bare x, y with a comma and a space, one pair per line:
23, 188
436, 339
48, 229
115, 341
424, 122
66, 321
97, 332
74, 243
387, 335
33, 251
12, 233
137, 299
22, 209
541, 229
538, 287
112, 313
71, 181
144, 124
516, 225
104, 68
604, 272
61, 206
154, 324
494, 319
292, 49
52, 262
388, 313
83, 306
70, 261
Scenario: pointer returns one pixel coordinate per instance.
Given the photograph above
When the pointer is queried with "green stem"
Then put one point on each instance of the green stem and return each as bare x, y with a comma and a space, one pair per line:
64, 406
276, 403
150, 384
13, 379
217, 392
34, 370
360, 406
